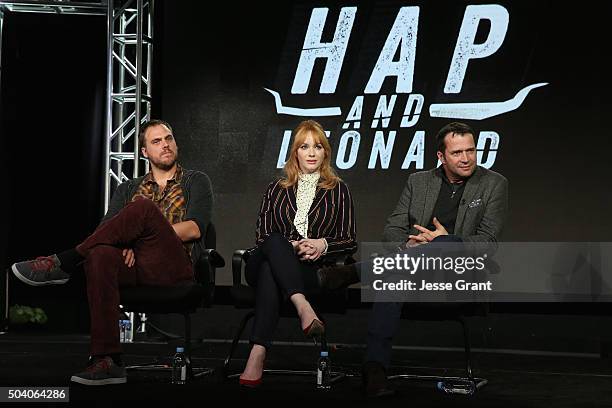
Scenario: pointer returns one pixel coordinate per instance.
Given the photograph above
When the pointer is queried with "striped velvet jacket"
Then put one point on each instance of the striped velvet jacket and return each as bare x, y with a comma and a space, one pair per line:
331, 216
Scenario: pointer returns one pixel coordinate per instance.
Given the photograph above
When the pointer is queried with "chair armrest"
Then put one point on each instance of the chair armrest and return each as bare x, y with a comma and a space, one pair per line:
340, 259
213, 257
205, 267
345, 260
237, 261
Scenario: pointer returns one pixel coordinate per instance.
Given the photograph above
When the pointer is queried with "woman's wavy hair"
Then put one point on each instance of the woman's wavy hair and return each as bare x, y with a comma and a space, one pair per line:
328, 179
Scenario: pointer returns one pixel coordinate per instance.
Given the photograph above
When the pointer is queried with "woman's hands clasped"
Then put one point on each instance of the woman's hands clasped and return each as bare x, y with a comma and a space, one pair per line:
309, 249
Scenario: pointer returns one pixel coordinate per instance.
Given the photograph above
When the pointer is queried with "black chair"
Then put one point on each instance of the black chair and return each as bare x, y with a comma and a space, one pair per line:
327, 301
459, 312
184, 298
467, 384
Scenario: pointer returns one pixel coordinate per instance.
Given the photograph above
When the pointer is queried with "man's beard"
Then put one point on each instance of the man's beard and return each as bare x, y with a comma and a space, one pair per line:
163, 165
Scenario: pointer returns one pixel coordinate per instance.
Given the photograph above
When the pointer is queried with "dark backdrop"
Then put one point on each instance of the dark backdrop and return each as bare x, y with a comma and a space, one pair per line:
215, 64
53, 87
211, 65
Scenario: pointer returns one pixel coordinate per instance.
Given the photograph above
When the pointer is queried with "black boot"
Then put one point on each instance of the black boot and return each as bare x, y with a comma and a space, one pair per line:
375, 381
336, 277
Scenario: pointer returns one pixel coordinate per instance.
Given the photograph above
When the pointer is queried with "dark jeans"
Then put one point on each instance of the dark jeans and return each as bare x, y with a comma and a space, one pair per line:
161, 260
276, 273
384, 321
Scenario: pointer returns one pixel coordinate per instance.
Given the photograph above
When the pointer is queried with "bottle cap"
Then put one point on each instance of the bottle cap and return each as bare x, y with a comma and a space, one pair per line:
324, 354
180, 349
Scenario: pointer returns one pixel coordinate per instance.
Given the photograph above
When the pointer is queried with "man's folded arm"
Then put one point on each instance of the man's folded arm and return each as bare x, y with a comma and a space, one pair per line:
199, 209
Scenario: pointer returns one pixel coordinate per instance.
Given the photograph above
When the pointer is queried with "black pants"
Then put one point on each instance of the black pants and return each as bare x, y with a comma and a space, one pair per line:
276, 273
384, 321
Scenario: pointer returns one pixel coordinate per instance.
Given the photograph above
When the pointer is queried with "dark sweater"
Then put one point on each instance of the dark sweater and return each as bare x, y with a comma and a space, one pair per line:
197, 190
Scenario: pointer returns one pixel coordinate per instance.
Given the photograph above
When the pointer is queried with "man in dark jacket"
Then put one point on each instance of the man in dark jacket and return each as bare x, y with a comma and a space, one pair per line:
457, 202
151, 235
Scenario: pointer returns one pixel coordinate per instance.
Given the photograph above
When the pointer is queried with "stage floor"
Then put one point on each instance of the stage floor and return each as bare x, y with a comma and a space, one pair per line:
515, 379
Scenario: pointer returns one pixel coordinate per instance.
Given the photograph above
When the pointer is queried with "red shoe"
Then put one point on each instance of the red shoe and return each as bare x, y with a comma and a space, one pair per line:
316, 328
250, 383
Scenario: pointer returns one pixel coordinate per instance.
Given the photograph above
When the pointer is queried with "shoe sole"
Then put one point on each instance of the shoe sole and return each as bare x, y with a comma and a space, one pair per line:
27, 281
315, 329
106, 381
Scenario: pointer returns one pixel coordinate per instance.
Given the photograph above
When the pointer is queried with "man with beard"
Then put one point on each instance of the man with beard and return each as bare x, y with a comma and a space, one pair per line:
458, 202
151, 235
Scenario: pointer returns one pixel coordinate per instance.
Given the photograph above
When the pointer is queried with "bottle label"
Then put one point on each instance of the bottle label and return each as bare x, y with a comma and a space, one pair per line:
184, 373
319, 377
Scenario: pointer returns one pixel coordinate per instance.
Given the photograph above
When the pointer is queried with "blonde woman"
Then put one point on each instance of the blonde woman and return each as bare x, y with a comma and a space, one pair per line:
305, 218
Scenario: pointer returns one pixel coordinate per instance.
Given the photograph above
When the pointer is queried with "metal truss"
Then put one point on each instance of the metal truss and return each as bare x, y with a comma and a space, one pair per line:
130, 60
128, 99
55, 7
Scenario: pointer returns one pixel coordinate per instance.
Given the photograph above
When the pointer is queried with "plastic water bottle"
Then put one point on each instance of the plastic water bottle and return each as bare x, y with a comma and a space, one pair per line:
179, 367
125, 331
324, 372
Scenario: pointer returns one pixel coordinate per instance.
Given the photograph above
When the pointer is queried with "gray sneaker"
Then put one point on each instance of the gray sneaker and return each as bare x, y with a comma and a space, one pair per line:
103, 371
44, 270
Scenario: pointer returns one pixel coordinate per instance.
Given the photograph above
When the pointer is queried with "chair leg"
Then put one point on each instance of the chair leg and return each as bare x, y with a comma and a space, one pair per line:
477, 382
192, 373
236, 340
187, 318
467, 385
466, 343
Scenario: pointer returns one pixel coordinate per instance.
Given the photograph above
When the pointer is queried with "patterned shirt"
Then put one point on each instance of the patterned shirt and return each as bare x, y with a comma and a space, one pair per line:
307, 187
170, 200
